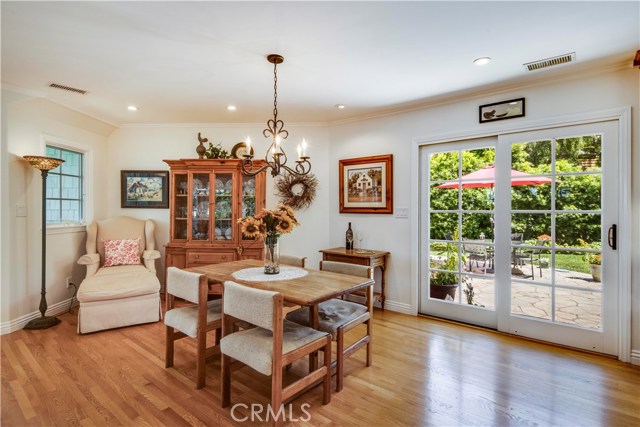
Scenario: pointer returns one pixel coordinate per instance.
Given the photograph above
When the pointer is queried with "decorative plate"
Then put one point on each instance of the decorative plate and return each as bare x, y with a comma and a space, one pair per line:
239, 150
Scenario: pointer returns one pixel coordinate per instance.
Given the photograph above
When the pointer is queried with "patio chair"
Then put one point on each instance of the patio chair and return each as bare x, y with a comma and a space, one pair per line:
537, 252
476, 251
517, 257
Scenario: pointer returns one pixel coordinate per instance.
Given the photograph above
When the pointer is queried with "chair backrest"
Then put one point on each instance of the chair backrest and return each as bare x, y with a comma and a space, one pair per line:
540, 242
516, 237
119, 228
251, 305
448, 236
346, 268
293, 260
472, 247
183, 284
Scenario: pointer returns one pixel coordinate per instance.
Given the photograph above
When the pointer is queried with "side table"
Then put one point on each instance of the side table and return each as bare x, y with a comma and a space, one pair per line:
362, 257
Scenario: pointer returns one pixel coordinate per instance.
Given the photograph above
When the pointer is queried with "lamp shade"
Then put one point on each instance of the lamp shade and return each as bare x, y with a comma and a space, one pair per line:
43, 163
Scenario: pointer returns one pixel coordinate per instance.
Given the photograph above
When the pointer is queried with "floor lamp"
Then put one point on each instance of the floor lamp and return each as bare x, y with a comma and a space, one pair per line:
44, 164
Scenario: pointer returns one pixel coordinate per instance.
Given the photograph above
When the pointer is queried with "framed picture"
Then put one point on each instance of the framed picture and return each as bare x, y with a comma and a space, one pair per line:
366, 185
502, 110
144, 189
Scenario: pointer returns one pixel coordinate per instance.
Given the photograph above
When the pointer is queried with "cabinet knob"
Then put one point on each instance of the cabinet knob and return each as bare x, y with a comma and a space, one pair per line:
197, 256
224, 257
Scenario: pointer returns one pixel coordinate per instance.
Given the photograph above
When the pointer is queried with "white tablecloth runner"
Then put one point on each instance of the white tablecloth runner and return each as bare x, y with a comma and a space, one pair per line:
257, 274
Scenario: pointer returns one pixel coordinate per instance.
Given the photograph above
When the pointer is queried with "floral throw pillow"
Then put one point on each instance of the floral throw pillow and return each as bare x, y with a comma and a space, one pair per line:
121, 252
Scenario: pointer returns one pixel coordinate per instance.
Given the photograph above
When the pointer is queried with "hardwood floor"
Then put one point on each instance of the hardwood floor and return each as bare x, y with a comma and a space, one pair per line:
425, 373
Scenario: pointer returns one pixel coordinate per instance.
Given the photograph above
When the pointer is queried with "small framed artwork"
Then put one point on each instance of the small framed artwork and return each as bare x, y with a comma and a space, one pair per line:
144, 189
502, 110
366, 185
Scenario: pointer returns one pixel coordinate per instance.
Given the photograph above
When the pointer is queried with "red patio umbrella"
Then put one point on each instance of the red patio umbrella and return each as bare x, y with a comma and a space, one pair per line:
485, 177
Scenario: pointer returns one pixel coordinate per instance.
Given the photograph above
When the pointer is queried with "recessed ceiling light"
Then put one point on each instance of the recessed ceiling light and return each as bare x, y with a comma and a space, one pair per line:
231, 107
339, 106
482, 61
132, 108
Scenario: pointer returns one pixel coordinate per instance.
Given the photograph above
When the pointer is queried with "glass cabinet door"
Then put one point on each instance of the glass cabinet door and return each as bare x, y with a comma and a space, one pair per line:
200, 207
224, 227
180, 203
248, 197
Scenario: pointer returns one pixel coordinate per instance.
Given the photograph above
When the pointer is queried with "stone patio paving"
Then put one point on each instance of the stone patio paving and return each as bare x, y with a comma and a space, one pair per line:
580, 307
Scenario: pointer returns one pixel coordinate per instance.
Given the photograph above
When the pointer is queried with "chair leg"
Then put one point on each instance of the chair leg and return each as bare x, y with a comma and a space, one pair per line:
370, 343
225, 380
276, 394
168, 357
200, 359
326, 384
339, 359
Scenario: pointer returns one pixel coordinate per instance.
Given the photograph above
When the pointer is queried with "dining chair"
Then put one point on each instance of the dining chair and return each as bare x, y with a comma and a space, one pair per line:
194, 320
274, 343
337, 317
293, 260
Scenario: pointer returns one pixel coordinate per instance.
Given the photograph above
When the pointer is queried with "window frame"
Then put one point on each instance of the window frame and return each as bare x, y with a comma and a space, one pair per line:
86, 183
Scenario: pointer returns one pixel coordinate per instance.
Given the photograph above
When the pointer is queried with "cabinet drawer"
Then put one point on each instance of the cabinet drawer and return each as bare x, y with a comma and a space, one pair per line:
209, 257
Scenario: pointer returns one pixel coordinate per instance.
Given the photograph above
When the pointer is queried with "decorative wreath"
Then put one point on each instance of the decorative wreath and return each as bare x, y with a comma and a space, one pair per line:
297, 192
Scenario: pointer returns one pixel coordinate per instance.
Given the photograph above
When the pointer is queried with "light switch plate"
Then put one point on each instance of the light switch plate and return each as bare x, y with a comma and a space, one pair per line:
401, 213
21, 211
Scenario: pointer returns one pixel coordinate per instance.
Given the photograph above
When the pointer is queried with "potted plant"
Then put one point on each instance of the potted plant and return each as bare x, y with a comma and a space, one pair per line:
443, 284
593, 258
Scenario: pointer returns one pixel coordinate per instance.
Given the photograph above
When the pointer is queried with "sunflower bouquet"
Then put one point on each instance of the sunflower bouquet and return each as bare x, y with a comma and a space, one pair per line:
269, 224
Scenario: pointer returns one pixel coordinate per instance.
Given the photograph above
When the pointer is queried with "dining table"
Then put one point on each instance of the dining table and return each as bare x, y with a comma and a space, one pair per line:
308, 290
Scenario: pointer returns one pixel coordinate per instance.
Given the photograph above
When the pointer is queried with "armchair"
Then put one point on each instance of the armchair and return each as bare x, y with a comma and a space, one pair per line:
119, 295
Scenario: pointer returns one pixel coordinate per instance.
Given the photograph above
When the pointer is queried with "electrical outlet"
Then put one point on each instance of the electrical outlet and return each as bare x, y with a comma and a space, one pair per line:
401, 213
69, 280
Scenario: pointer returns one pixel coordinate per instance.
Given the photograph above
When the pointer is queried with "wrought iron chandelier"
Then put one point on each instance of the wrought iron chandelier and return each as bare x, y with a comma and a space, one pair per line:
275, 157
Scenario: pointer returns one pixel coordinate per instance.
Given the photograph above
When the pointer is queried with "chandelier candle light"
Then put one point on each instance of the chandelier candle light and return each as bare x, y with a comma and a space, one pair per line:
44, 164
269, 225
275, 157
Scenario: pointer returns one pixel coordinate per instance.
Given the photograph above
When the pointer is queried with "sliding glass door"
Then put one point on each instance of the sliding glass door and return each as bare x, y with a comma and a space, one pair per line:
516, 234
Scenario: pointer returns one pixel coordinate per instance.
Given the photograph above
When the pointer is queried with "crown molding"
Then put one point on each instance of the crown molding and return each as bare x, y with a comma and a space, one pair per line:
214, 125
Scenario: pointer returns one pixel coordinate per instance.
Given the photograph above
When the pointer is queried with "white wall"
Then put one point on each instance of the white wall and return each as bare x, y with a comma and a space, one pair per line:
145, 147
394, 135
25, 120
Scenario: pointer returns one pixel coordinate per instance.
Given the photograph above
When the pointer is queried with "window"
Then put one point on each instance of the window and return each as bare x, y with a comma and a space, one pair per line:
65, 198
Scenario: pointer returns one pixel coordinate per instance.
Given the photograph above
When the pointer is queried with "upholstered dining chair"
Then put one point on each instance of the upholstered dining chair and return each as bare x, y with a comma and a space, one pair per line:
121, 287
272, 344
337, 317
293, 260
194, 320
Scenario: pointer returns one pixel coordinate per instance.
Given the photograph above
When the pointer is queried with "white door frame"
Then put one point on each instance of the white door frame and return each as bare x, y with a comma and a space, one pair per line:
623, 117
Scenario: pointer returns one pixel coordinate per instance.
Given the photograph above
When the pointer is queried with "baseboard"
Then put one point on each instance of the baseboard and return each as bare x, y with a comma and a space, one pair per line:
399, 307
20, 322
635, 357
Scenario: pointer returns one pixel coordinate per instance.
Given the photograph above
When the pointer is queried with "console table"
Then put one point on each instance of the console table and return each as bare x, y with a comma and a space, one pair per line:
362, 257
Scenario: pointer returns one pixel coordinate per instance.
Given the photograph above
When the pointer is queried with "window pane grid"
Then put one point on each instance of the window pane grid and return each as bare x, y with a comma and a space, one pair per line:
64, 187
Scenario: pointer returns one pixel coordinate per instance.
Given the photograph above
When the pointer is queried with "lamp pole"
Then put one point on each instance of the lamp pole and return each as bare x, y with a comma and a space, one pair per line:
45, 164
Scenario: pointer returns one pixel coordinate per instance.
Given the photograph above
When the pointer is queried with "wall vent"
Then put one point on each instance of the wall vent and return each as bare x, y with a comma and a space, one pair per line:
550, 62
68, 88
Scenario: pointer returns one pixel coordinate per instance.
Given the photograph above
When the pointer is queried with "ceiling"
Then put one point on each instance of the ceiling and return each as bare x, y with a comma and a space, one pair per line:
184, 62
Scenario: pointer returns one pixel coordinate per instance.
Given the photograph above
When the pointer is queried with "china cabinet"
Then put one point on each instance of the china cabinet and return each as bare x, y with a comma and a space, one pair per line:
207, 198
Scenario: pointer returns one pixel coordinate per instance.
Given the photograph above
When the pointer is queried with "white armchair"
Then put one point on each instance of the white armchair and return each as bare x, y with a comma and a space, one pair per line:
120, 295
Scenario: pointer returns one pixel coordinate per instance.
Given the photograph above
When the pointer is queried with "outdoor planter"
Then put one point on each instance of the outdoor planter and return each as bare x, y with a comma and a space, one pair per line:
596, 272
441, 291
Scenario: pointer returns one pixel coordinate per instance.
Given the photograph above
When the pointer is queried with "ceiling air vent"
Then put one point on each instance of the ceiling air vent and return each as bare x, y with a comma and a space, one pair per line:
68, 88
550, 62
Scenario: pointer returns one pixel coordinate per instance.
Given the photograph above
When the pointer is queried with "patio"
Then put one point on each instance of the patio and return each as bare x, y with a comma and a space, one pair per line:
577, 307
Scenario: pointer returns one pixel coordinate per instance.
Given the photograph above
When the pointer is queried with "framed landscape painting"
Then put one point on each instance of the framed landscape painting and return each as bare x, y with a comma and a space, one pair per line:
366, 185
144, 189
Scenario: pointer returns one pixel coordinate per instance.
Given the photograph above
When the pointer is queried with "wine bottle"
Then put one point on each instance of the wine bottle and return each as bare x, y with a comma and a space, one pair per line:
349, 238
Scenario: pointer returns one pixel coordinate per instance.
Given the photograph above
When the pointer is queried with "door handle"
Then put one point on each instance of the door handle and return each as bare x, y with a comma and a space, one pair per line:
612, 236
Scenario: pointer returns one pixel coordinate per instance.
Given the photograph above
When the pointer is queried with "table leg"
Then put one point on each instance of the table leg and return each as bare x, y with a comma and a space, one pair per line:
382, 290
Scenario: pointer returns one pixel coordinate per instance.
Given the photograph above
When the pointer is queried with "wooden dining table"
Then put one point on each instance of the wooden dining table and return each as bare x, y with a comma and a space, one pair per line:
317, 286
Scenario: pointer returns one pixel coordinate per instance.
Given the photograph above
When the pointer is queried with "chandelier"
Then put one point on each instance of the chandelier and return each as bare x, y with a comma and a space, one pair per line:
275, 157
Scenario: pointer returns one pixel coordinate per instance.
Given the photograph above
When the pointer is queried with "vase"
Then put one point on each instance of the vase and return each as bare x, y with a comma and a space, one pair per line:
271, 255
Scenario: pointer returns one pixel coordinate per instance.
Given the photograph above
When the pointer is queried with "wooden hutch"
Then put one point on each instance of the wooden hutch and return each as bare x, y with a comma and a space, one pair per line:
207, 198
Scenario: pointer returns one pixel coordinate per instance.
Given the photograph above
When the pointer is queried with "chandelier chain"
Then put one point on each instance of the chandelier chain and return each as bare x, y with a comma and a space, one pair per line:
275, 91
